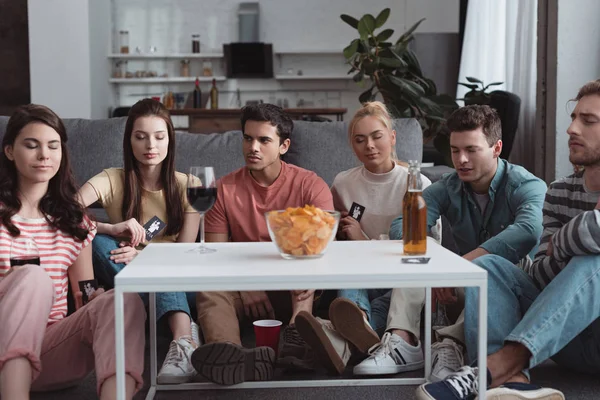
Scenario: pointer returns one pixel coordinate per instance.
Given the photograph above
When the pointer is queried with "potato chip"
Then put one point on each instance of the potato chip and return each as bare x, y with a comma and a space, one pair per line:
302, 231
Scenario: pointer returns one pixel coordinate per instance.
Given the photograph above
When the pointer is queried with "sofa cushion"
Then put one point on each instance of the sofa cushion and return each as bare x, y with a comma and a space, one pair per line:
324, 148
223, 151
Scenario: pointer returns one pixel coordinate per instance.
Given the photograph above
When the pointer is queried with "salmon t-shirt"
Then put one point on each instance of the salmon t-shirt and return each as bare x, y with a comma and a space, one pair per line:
242, 202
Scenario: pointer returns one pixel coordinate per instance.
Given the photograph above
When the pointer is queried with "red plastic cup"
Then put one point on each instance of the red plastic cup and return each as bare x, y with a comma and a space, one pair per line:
267, 333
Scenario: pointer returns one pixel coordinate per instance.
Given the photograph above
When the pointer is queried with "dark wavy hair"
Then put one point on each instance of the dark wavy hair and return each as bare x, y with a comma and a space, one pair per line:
477, 116
132, 199
60, 204
272, 114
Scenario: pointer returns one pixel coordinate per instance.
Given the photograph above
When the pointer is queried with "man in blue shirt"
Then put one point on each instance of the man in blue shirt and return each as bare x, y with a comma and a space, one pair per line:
493, 207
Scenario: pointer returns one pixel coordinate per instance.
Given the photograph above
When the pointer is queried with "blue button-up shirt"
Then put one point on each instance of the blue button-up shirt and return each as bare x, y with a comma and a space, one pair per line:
511, 224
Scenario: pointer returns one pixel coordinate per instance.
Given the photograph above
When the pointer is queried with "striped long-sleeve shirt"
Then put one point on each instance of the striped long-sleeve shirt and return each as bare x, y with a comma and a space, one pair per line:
570, 223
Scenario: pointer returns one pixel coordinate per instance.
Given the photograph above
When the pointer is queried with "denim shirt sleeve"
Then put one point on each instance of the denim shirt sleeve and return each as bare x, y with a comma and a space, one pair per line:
436, 198
517, 240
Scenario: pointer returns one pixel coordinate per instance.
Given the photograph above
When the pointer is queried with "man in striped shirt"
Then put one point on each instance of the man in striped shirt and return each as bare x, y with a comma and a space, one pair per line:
551, 309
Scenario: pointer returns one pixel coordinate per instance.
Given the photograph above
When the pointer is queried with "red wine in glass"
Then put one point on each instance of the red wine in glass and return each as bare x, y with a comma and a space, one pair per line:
202, 198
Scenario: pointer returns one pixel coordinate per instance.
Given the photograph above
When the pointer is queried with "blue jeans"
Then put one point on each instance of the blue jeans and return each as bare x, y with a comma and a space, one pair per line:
561, 322
105, 270
374, 302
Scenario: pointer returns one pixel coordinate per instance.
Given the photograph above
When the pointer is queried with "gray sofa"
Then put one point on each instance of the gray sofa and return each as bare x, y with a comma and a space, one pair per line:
322, 147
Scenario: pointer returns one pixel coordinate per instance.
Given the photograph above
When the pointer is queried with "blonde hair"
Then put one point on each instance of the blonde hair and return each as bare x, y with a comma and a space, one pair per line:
378, 110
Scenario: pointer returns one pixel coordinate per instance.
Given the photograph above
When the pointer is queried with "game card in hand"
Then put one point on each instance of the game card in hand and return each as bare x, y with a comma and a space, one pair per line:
356, 211
153, 227
87, 288
415, 260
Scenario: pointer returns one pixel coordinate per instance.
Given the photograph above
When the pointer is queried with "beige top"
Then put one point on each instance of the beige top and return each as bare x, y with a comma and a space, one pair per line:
109, 185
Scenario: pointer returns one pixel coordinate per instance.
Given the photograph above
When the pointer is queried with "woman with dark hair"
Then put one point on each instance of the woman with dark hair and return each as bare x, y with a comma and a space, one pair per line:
147, 187
41, 348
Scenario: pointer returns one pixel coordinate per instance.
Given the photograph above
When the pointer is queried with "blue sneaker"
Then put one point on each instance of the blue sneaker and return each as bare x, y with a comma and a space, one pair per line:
461, 385
523, 391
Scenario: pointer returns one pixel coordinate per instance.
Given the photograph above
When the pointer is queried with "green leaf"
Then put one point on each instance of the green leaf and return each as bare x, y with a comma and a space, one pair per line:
407, 36
351, 49
473, 80
412, 61
469, 85
495, 83
392, 62
366, 95
358, 77
407, 87
385, 35
366, 26
353, 22
382, 18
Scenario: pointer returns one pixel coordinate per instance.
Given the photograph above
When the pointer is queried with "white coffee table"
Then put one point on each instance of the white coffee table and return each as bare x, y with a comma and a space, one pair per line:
258, 266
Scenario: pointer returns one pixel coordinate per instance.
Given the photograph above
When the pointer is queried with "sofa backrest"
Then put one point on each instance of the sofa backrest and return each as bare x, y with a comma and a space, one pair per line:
322, 147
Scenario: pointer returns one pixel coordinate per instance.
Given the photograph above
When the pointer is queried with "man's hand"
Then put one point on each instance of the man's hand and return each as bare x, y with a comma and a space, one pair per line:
257, 305
302, 295
124, 254
443, 296
130, 228
79, 297
351, 229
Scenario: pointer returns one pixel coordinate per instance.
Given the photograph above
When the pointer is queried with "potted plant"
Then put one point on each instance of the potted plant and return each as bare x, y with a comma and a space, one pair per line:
477, 93
392, 69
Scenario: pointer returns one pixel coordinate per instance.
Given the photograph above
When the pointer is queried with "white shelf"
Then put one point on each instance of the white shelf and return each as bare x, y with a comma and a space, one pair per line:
309, 51
311, 77
134, 56
174, 79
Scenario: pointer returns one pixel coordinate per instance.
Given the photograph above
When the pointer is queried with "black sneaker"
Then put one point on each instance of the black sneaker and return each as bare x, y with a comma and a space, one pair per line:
523, 391
230, 364
461, 385
295, 353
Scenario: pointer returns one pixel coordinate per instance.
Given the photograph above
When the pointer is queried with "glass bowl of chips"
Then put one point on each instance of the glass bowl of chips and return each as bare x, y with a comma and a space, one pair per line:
302, 232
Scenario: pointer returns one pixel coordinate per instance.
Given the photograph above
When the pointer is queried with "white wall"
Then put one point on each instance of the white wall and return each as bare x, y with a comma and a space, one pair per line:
577, 63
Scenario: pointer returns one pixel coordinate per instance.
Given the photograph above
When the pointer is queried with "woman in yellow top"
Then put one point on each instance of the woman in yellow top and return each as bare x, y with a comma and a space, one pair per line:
146, 187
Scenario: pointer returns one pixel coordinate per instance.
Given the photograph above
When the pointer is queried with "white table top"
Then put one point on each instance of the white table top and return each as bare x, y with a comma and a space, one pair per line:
258, 266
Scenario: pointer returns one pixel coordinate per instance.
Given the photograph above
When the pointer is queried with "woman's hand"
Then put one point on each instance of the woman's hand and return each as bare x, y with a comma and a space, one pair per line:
130, 228
79, 297
351, 229
124, 254
302, 295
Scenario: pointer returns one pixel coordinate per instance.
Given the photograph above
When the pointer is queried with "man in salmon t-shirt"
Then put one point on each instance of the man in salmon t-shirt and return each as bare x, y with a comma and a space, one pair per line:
266, 183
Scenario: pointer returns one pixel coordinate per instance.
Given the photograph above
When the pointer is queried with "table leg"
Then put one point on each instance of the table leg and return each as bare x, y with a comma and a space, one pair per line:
120, 343
427, 333
482, 345
153, 349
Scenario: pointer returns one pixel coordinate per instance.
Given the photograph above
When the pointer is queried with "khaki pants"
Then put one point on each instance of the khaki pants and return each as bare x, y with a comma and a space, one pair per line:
405, 313
220, 313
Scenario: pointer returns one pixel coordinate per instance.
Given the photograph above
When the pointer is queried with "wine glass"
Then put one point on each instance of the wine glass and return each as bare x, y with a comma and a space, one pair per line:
24, 250
202, 194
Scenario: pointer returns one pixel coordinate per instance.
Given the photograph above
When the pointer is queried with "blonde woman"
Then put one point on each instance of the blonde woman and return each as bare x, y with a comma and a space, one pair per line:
370, 198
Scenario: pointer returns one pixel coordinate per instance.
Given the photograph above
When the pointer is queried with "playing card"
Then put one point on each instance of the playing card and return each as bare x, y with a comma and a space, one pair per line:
87, 288
153, 227
356, 211
415, 260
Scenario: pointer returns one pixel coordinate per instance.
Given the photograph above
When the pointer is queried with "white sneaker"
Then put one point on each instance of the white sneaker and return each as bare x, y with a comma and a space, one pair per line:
177, 367
196, 334
446, 358
391, 356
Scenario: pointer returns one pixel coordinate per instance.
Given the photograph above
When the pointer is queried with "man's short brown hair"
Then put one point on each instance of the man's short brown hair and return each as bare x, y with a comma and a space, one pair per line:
469, 118
590, 88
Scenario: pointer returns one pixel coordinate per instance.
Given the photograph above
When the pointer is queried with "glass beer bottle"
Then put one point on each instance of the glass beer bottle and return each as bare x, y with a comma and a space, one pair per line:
414, 213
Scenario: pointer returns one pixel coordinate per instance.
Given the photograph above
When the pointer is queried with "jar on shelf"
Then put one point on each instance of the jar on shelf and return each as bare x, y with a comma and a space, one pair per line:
120, 69
207, 69
124, 42
185, 68
195, 43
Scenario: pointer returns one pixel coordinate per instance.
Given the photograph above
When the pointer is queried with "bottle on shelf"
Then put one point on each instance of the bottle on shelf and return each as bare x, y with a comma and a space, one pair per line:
195, 43
197, 95
214, 96
414, 213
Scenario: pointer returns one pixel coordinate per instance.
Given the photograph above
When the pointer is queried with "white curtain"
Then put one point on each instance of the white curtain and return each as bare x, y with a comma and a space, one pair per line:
500, 45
